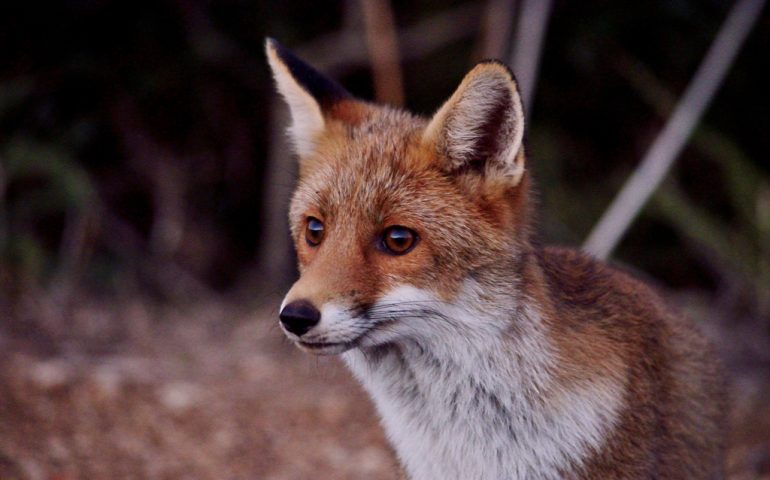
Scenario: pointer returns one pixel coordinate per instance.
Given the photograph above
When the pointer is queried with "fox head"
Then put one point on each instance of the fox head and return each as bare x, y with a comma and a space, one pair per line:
401, 223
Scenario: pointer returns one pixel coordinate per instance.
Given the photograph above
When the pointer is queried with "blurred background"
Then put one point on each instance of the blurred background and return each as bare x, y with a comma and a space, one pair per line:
144, 181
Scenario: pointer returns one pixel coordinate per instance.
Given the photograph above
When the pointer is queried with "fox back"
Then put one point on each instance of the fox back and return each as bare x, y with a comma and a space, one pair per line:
486, 355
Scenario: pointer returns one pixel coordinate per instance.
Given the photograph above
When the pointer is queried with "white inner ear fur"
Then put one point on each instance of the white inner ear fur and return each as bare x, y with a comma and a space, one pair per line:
459, 125
307, 121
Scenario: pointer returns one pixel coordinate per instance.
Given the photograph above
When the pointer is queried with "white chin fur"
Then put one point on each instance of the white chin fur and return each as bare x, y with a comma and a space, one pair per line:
465, 342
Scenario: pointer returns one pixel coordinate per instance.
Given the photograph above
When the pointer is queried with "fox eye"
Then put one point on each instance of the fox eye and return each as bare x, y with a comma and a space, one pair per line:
399, 240
314, 231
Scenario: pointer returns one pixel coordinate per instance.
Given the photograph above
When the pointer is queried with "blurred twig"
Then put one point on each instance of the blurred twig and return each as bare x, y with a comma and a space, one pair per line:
153, 257
214, 47
74, 250
168, 225
666, 147
495, 31
168, 182
528, 45
382, 43
740, 251
169, 278
341, 50
275, 261
743, 177
3, 186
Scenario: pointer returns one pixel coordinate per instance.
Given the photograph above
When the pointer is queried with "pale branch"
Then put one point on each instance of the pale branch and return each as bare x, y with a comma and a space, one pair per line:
667, 146
527, 46
743, 179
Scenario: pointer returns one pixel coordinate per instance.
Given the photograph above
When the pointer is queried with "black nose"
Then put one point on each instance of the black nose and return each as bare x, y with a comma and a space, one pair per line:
299, 316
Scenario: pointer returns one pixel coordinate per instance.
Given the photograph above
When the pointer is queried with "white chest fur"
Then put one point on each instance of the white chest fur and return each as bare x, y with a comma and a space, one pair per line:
458, 409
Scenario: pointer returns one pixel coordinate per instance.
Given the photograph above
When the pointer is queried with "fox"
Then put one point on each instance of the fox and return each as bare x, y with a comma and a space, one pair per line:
486, 354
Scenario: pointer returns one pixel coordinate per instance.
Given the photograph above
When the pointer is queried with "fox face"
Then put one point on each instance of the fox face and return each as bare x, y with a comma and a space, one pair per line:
397, 219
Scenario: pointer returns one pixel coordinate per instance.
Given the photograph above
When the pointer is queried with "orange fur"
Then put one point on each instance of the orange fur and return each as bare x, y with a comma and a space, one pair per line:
467, 197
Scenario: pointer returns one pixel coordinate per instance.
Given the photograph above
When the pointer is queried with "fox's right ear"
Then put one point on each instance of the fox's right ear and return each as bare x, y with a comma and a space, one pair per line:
308, 93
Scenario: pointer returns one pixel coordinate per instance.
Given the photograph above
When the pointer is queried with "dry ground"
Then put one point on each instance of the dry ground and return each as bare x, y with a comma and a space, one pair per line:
131, 390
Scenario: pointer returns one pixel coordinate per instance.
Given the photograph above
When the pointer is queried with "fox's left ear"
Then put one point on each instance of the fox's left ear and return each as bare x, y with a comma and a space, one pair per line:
309, 94
482, 125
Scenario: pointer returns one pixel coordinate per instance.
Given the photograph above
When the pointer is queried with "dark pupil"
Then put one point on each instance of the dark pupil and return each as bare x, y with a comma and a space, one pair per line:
400, 238
315, 228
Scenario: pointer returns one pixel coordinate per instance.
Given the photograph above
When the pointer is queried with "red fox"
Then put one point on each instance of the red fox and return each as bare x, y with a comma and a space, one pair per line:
487, 355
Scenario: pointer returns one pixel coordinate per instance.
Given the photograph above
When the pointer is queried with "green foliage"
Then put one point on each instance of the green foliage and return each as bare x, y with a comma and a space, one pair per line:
43, 185
59, 183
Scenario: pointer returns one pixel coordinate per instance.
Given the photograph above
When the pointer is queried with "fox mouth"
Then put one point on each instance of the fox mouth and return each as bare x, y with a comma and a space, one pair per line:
322, 345
335, 348
326, 348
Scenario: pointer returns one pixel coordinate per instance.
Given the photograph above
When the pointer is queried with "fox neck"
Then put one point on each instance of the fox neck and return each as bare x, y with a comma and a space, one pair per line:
482, 398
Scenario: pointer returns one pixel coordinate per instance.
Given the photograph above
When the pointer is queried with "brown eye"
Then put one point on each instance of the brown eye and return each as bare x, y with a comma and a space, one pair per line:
398, 240
314, 232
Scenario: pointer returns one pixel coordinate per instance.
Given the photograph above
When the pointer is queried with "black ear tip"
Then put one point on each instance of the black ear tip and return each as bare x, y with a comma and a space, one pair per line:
275, 46
283, 53
323, 89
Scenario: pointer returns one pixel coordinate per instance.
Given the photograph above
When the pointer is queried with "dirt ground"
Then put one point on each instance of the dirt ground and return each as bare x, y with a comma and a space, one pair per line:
130, 390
